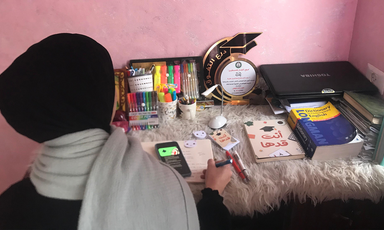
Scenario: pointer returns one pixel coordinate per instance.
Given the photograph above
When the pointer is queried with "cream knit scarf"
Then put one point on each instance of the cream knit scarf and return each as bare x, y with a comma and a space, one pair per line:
61, 170
121, 186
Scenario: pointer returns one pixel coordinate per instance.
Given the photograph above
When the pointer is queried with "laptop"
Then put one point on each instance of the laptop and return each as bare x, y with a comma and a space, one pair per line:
314, 80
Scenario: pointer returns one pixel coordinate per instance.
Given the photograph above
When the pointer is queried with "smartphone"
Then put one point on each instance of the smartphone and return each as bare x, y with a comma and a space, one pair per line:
170, 153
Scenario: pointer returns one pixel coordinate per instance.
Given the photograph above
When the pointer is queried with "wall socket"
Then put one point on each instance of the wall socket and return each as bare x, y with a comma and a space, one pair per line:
376, 76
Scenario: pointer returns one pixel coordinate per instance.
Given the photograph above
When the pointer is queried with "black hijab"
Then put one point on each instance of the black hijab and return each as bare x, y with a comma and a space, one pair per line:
61, 85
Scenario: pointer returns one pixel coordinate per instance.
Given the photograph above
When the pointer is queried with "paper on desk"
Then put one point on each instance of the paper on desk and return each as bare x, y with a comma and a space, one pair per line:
223, 139
275, 105
314, 104
196, 157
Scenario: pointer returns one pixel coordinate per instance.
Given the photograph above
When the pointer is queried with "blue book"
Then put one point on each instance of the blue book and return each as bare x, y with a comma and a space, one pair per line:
324, 133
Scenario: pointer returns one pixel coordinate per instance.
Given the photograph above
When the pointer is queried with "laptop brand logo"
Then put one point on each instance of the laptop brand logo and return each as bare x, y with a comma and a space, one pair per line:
316, 75
328, 90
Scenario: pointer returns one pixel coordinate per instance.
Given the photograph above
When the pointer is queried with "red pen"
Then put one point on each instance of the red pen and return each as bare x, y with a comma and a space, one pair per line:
129, 98
238, 170
134, 102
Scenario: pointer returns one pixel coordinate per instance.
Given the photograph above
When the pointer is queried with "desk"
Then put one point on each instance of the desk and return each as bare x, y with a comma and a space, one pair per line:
273, 182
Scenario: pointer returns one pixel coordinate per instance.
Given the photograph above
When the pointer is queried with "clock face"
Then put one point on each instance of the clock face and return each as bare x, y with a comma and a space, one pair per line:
238, 78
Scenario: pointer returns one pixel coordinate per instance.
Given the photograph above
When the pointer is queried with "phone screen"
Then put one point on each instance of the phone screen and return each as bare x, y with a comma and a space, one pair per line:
170, 153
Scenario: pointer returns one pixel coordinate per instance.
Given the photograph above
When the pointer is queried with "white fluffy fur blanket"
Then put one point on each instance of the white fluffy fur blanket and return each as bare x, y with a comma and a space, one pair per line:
273, 182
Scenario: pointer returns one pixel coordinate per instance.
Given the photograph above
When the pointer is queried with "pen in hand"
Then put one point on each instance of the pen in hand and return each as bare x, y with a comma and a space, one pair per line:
222, 163
216, 178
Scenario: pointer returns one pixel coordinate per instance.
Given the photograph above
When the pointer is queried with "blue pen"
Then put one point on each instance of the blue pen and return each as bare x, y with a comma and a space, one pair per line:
219, 164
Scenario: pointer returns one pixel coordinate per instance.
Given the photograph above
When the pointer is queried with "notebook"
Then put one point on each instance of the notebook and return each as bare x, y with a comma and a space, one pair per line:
314, 80
196, 156
273, 140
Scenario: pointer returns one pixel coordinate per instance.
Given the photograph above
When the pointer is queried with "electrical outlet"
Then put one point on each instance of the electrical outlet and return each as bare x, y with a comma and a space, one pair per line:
376, 76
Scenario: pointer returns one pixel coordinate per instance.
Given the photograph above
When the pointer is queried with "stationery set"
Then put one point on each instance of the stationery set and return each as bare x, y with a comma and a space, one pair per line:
143, 110
170, 78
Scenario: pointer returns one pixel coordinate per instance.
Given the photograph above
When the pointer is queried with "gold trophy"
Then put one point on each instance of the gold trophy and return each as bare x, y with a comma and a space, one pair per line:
237, 76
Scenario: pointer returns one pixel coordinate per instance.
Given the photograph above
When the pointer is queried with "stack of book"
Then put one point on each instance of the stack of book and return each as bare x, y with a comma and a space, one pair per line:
378, 155
366, 113
324, 133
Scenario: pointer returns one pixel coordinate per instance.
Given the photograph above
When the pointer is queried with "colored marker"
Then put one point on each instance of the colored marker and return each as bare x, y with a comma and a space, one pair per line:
195, 81
133, 95
167, 97
165, 90
143, 101
177, 78
132, 105
170, 90
164, 74
161, 97
139, 101
149, 99
156, 77
170, 74
149, 103
156, 101
143, 105
137, 95
129, 102
153, 106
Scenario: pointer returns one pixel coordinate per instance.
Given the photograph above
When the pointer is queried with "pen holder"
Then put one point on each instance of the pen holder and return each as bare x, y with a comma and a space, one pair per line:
142, 83
187, 112
167, 110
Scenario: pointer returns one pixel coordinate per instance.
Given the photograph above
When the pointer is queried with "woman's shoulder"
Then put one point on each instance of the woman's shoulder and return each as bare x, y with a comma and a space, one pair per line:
22, 187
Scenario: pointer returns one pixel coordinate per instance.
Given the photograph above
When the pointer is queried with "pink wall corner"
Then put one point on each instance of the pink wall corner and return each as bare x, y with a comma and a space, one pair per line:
367, 44
293, 31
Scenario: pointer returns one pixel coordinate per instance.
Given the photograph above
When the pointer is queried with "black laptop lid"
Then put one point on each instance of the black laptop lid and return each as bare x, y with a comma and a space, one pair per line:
315, 79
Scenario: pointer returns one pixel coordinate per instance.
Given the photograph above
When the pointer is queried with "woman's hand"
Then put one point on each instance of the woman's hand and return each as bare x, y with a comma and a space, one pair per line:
217, 178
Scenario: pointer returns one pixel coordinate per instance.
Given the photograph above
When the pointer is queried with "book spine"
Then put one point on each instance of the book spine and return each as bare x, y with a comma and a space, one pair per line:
305, 140
378, 155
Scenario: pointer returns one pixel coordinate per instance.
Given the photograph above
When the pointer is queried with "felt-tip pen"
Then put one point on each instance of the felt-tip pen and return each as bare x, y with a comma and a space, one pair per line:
222, 163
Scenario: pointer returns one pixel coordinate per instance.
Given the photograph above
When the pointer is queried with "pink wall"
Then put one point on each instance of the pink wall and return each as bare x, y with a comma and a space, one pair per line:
293, 31
368, 35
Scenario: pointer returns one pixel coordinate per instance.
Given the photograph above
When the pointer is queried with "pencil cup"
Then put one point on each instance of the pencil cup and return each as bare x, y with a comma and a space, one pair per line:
187, 112
167, 110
